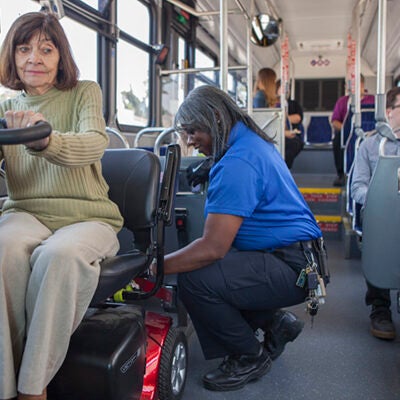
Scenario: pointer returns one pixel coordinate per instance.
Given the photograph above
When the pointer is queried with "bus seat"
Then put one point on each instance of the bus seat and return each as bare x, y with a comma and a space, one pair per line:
381, 221
348, 123
319, 130
302, 130
117, 139
133, 177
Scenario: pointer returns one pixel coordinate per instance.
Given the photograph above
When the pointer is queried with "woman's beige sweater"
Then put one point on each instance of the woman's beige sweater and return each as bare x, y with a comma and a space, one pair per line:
63, 183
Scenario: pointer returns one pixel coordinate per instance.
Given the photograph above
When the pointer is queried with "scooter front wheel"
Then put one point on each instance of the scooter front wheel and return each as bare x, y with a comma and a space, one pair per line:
173, 366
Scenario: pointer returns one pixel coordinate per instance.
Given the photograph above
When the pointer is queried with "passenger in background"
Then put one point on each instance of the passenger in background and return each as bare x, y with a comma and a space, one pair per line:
267, 94
58, 222
265, 89
365, 162
337, 119
294, 142
257, 235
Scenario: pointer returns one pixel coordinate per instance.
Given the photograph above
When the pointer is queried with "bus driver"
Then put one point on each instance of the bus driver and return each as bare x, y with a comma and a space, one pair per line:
236, 277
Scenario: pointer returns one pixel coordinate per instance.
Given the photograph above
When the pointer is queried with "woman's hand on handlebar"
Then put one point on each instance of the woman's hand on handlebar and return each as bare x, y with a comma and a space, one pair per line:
25, 119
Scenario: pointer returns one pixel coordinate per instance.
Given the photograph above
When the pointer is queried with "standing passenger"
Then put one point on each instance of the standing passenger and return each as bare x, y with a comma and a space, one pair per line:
58, 222
337, 119
293, 133
257, 234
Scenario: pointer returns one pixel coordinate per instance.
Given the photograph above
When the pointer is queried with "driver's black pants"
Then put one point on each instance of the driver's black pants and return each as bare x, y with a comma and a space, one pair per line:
229, 299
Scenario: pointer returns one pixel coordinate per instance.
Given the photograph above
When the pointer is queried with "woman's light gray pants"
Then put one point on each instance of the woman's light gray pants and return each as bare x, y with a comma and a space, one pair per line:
47, 281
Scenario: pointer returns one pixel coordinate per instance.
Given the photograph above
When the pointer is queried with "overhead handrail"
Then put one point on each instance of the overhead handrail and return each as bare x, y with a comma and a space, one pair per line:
196, 13
381, 68
161, 137
119, 135
357, 88
200, 69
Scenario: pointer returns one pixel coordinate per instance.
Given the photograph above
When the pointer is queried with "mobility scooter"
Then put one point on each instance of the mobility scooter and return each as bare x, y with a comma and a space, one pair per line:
125, 348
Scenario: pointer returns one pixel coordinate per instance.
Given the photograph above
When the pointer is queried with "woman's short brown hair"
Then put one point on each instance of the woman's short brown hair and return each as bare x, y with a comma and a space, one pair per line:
21, 32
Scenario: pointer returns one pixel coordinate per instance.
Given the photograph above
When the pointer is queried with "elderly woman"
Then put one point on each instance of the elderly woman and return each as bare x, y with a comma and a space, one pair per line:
58, 222
258, 236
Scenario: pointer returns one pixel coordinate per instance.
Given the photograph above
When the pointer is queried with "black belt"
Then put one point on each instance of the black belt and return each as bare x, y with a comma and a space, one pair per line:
305, 244
314, 244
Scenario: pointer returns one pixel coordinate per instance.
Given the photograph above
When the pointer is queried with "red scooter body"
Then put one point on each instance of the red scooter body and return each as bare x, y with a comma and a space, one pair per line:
157, 327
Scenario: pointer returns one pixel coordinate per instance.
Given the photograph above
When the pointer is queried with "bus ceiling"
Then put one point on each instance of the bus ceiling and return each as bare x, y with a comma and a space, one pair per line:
316, 31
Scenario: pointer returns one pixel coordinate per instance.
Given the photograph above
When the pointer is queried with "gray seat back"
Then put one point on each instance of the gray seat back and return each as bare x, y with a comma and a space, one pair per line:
381, 226
133, 176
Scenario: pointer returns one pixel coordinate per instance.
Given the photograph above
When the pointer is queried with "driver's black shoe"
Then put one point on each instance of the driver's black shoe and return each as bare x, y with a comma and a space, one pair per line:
284, 328
235, 371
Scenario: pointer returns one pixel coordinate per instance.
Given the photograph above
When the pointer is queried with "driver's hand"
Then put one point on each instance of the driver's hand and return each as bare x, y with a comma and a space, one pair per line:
25, 119
197, 172
153, 269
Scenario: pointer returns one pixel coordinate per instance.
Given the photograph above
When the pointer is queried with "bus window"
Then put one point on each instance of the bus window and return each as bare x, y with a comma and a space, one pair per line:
132, 85
231, 83
84, 47
236, 88
10, 13
173, 86
205, 61
319, 94
96, 4
133, 18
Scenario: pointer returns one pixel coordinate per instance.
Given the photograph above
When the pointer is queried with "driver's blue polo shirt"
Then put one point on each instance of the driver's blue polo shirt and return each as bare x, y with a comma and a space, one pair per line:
252, 181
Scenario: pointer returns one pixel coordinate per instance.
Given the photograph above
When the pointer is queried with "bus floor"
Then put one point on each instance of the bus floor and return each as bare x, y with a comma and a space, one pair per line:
335, 359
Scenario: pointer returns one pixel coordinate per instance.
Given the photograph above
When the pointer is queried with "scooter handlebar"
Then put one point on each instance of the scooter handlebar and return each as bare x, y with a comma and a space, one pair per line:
38, 131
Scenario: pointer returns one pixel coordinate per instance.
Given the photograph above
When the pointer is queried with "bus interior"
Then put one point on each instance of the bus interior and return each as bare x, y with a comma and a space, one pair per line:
148, 54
